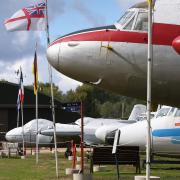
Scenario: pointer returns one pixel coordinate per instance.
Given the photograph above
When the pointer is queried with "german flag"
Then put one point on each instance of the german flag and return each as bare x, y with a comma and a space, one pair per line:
35, 72
150, 2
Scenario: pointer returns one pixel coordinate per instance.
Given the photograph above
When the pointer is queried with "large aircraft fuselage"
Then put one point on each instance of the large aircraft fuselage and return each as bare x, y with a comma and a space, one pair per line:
116, 59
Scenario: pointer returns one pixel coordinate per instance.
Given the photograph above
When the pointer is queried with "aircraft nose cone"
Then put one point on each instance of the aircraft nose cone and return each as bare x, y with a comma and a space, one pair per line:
8, 136
53, 55
14, 135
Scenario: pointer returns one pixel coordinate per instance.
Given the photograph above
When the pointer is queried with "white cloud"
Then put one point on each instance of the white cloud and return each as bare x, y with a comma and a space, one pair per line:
8, 73
20, 39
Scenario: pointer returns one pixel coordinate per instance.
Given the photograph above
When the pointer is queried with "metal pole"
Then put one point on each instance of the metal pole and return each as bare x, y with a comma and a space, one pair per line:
117, 166
31, 143
18, 104
37, 139
149, 71
36, 94
22, 117
122, 113
22, 126
52, 94
82, 138
18, 117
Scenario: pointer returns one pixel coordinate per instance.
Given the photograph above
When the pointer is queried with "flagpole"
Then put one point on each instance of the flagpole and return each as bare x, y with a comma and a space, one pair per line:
36, 94
17, 116
22, 127
37, 139
18, 105
52, 93
22, 117
149, 74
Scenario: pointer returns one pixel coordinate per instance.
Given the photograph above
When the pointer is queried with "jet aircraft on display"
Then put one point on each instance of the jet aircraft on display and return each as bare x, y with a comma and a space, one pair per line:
30, 130
91, 125
165, 128
115, 57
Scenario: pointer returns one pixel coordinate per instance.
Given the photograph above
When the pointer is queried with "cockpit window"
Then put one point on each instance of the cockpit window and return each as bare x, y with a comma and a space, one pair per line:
171, 112
162, 112
125, 17
129, 25
177, 113
142, 22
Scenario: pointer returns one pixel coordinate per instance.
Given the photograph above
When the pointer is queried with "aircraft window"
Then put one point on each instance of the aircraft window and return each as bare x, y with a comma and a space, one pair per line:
177, 113
162, 112
125, 17
171, 112
142, 22
129, 25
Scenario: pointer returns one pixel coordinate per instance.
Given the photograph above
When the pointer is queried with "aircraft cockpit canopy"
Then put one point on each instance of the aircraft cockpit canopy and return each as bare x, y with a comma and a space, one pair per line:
168, 111
135, 19
32, 125
164, 111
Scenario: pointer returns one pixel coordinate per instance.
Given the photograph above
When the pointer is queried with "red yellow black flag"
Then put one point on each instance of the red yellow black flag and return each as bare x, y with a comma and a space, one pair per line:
35, 72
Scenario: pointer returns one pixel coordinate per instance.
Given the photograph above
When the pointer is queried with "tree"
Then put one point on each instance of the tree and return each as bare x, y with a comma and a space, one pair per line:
46, 89
101, 103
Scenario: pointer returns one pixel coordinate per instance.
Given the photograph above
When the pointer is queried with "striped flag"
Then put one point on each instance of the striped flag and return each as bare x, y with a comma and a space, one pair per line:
18, 102
29, 18
21, 88
35, 72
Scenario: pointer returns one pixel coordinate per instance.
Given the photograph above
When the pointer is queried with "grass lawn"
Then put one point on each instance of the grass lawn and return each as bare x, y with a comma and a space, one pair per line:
19, 169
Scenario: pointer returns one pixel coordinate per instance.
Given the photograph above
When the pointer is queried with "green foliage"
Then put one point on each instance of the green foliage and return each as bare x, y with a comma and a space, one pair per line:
45, 88
3, 80
100, 103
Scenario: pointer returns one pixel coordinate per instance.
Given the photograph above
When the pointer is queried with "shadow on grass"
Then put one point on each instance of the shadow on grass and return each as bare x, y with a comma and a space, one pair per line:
165, 168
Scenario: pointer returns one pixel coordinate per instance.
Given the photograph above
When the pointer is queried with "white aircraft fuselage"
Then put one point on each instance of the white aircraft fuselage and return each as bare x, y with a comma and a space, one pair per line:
165, 128
115, 57
91, 125
94, 127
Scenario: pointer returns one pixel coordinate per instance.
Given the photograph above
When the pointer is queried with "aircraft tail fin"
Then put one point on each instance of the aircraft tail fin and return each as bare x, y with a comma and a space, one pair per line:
137, 112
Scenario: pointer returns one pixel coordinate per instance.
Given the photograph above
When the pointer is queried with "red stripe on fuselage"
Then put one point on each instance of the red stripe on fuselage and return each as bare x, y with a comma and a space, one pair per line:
177, 124
163, 34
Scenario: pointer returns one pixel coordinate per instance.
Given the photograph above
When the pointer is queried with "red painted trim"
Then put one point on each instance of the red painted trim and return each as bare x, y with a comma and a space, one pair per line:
163, 34
22, 17
14, 19
177, 124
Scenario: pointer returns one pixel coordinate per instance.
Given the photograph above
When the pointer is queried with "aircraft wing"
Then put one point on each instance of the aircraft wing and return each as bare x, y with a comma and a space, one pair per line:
63, 130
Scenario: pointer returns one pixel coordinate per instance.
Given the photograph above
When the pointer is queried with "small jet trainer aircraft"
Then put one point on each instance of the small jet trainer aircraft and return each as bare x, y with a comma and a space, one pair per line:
30, 130
91, 126
165, 127
115, 57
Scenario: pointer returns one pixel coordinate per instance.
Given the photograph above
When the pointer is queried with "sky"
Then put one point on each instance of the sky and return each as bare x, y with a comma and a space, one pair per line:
65, 16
